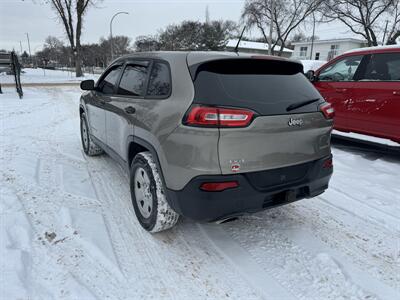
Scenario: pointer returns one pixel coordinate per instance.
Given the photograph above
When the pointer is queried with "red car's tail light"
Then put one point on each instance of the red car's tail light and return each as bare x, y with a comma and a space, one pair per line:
327, 110
218, 186
217, 116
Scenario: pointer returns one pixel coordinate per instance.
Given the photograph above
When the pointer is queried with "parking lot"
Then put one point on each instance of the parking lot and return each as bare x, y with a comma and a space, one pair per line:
70, 230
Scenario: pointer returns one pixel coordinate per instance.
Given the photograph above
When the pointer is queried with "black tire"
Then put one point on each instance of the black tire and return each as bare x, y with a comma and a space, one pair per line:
148, 195
89, 147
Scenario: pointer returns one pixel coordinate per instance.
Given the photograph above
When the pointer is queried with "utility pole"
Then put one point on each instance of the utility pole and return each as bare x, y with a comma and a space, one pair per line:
20, 46
313, 37
271, 27
384, 33
207, 15
111, 36
29, 46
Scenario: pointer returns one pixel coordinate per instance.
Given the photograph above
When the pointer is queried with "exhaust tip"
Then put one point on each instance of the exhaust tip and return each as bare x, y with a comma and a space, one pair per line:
226, 220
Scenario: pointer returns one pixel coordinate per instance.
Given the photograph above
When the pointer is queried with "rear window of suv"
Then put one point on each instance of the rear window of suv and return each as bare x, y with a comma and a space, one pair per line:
265, 86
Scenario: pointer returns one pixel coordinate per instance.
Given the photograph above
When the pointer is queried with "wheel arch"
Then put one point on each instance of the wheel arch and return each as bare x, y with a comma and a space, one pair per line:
136, 145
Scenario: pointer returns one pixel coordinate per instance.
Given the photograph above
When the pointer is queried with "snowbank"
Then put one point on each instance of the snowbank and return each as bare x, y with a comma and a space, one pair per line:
38, 75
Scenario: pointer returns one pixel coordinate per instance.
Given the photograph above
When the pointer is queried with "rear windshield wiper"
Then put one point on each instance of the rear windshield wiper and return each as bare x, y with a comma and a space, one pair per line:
300, 104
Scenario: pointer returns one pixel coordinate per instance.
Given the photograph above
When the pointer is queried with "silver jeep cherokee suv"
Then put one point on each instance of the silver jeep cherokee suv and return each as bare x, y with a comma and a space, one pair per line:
209, 135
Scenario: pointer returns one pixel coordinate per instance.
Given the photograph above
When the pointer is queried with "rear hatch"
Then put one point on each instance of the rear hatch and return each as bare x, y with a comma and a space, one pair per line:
269, 114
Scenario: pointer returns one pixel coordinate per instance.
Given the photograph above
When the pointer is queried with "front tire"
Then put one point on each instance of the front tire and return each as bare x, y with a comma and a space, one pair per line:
148, 195
89, 147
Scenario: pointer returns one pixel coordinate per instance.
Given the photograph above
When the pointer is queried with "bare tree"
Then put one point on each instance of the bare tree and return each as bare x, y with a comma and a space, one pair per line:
285, 16
53, 48
52, 42
363, 17
71, 13
394, 32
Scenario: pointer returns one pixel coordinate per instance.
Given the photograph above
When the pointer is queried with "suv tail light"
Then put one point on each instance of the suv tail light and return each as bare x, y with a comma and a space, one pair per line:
209, 116
327, 110
328, 164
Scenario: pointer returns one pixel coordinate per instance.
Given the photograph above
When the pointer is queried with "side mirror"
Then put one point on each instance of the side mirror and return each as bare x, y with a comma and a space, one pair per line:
87, 85
311, 75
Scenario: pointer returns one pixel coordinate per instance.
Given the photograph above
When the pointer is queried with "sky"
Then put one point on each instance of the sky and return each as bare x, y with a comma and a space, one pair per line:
35, 17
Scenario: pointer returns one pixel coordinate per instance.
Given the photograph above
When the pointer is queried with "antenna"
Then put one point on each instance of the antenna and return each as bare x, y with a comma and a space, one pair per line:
240, 38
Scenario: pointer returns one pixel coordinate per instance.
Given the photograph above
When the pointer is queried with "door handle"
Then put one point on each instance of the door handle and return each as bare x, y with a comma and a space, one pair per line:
341, 90
130, 110
396, 93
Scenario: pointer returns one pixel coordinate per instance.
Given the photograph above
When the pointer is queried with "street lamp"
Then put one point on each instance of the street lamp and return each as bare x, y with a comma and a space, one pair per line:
111, 37
29, 47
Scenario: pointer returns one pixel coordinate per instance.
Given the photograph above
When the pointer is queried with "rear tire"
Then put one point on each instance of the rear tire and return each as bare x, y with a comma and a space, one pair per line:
89, 147
148, 195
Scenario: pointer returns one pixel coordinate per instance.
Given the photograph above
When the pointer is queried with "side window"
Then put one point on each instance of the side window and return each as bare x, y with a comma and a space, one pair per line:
107, 84
343, 70
383, 67
160, 81
133, 81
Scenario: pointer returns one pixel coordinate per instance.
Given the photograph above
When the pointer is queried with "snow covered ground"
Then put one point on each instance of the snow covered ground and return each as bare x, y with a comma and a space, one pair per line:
68, 229
30, 75
312, 64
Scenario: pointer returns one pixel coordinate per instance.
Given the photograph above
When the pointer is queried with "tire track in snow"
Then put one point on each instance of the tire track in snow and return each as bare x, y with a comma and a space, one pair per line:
299, 271
249, 269
366, 205
368, 283
68, 255
81, 264
366, 244
227, 277
361, 210
41, 256
119, 236
49, 177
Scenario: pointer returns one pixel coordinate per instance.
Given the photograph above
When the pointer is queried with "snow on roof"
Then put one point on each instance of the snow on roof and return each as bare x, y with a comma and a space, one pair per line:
330, 41
253, 46
374, 48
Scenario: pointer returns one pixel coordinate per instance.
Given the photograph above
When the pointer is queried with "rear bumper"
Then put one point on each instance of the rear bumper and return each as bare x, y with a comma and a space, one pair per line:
253, 194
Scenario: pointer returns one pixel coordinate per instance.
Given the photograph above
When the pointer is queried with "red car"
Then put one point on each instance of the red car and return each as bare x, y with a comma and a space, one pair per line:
363, 86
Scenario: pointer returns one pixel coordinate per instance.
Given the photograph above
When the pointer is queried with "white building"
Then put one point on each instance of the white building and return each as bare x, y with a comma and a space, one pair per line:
255, 47
325, 49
